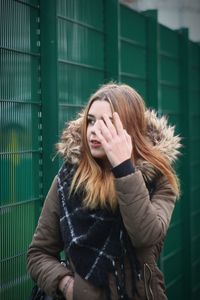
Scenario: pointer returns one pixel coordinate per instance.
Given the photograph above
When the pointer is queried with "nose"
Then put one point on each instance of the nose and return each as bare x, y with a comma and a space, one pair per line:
95, 126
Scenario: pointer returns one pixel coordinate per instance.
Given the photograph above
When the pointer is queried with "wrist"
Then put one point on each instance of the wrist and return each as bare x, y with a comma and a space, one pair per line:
64, 284
123, 169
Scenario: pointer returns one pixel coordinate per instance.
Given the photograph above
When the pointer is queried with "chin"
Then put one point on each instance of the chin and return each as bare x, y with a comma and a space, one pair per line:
100, 155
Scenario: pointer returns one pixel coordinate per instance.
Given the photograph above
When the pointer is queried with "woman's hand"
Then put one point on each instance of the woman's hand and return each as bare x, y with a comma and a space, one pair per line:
69, 292
114, 139
66, 285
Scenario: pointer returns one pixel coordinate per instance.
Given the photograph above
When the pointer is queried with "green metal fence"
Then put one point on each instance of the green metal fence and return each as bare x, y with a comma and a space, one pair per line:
80, 37
170, 103
194, 147
20, 142
52, 58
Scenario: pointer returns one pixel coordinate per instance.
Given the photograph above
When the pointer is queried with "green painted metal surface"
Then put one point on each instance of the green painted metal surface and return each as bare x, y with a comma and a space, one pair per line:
152, 58
20, 146
169, 103
80, 54
52, 58
49, 90
194, 140
185, 160
133, 45
112, 40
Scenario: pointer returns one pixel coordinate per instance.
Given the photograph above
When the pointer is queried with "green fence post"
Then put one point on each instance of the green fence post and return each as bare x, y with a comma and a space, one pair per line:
152, 58
185, 182
49, 84
112, 57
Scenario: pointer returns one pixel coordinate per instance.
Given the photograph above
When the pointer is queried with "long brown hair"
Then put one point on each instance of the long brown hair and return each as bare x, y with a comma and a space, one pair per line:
98, 181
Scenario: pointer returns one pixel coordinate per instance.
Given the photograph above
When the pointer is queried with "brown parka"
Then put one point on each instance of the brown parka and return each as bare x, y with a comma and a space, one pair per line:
145, 220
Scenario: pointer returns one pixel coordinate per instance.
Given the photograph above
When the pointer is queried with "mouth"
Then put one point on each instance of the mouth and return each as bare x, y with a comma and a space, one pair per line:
95, 144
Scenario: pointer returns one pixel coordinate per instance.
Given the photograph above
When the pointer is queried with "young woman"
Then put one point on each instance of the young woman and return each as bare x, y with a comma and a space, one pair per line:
111, 203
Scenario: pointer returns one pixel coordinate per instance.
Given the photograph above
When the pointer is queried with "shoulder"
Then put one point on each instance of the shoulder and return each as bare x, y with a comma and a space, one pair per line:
162, 184
51, 201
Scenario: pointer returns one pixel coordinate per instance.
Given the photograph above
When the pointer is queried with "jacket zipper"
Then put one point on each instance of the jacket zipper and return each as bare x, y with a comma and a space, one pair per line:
148, 289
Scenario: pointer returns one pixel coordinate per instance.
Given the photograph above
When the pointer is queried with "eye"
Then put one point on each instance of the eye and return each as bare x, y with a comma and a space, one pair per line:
90, 121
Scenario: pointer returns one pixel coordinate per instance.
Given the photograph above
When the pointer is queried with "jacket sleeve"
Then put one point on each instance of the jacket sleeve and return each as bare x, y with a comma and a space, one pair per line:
43, 254
145, 220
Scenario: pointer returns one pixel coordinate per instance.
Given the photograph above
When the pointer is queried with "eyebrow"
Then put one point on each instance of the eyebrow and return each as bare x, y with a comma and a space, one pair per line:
93, 117
90, 116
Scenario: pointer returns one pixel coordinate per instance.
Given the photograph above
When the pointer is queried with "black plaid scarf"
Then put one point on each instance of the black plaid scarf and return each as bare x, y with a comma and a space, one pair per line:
94, 239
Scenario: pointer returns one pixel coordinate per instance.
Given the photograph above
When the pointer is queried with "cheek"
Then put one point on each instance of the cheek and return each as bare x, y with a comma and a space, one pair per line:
88, 133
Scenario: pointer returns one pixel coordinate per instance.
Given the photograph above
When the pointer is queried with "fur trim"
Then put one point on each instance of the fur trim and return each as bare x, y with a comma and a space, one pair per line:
160, 134
70, 146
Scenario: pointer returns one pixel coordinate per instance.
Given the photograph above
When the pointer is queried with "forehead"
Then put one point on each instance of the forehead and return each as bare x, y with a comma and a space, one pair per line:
98, 108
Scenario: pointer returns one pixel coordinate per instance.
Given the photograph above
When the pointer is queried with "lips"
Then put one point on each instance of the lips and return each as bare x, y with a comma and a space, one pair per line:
95, 143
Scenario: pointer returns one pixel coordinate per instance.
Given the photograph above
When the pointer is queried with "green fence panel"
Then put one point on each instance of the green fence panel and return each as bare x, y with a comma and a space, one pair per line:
133, 49
169, 103
194, 129
80, 27
20, 146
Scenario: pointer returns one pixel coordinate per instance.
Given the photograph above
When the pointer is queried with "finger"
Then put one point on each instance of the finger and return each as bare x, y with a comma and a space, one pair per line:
128, 137
118, 123
109, 125
129, 141
105, 130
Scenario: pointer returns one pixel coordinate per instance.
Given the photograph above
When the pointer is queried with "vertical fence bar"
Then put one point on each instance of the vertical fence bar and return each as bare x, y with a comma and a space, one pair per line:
185, 182
152, 58
49, 89
112, 45
194, 141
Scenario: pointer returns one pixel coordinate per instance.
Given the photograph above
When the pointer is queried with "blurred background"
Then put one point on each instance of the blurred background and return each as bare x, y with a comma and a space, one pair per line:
53, 55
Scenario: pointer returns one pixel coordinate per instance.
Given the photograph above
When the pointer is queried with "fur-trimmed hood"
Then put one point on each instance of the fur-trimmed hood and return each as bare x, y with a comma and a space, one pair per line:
159, 132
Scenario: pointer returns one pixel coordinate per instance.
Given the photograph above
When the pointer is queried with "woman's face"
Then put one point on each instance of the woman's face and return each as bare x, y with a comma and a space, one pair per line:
95, 113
